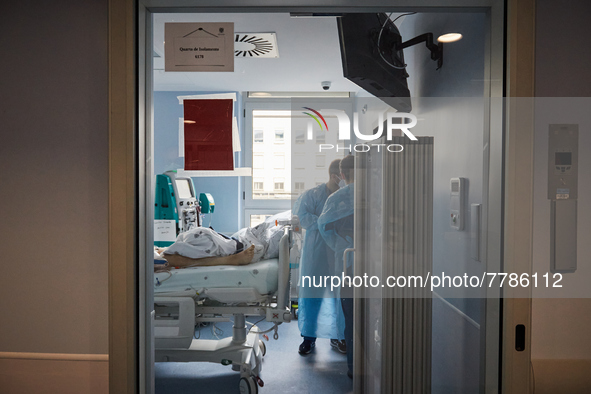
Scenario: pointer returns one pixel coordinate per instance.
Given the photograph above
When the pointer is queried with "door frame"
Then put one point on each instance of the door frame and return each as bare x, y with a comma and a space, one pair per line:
130, 115
518, 194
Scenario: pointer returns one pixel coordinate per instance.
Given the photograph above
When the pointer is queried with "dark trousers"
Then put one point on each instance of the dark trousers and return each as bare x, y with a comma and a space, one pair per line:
347, 305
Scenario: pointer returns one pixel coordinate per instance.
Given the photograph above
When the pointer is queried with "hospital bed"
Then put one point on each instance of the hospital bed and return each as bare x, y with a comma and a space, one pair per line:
186, 297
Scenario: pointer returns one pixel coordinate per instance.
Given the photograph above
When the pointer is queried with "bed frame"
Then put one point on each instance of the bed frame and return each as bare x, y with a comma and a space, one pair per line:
176, 318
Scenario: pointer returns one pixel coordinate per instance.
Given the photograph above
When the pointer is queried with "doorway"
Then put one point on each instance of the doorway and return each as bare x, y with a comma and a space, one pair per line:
467, 309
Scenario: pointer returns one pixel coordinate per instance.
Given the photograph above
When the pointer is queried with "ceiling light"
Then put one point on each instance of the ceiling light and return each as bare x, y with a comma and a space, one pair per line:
299, 94
189, 121
259, 94
450, 37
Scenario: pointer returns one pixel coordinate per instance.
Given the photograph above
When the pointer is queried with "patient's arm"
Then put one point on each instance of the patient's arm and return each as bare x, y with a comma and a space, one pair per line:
242, 258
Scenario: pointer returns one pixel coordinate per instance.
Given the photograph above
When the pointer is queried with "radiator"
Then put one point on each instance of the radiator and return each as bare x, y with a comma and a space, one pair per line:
393, 237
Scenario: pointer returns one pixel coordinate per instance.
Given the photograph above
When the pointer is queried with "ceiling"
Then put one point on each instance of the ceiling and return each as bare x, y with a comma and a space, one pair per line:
309, 53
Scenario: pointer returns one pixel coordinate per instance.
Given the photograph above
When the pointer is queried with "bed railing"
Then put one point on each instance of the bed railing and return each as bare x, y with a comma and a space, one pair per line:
281, 313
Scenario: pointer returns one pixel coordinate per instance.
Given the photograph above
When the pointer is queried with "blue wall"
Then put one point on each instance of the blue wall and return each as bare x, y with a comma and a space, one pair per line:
226, 191
451, 107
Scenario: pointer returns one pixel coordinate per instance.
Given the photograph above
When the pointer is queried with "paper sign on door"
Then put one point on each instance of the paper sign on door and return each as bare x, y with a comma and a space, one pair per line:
199, 51
199, 47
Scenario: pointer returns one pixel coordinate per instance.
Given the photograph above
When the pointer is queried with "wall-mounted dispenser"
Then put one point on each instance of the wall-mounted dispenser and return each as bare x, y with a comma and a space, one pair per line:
563, 169
457, 203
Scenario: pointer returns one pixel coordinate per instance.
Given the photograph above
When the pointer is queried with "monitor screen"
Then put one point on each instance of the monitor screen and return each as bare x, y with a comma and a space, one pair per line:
563, 158
183, 188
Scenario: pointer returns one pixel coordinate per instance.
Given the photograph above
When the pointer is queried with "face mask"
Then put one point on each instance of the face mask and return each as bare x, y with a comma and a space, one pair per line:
342, 183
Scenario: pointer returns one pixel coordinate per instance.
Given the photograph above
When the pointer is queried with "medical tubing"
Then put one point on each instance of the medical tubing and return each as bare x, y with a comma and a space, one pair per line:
261, 332
275, 326
254, 324
159, 282
215, 329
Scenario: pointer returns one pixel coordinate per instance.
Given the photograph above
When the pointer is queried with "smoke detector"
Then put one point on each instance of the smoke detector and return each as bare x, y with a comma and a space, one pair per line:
255, 45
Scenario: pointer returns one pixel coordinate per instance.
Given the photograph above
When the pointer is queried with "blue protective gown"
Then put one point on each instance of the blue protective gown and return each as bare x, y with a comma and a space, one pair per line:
318, 307
336, 226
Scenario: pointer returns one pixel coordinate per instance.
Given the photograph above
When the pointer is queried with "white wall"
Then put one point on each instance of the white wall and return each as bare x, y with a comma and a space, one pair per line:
561, 110
560, 327
54, 172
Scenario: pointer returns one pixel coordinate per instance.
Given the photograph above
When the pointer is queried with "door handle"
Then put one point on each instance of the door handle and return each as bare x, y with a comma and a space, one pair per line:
520, 337
346, 258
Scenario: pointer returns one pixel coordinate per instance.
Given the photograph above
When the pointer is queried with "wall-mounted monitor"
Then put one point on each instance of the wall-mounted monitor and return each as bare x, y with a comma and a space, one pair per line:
380, 70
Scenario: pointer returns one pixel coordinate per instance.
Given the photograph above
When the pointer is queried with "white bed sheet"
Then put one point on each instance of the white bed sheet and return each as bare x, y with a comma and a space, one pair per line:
261, 276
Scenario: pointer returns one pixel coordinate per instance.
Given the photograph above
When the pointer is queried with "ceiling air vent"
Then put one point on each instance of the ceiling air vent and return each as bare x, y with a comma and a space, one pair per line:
255, 45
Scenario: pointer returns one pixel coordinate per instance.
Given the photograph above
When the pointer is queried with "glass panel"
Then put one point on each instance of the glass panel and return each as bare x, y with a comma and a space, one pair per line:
402, 232
291, 154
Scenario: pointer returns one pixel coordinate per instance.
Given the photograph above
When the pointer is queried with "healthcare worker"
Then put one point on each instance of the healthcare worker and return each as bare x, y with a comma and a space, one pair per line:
336, 227
318, 308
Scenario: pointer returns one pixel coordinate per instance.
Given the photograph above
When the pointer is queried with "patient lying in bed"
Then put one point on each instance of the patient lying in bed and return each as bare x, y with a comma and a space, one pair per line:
178, 261
203, 246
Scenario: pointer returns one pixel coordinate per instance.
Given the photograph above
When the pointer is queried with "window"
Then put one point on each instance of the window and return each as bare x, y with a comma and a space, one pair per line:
279, 136
279, 162
298, 161
258, 136
258, 161
320, 161
279, 184
320, 137
283, 161
270, 157
300, 137
299, 186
